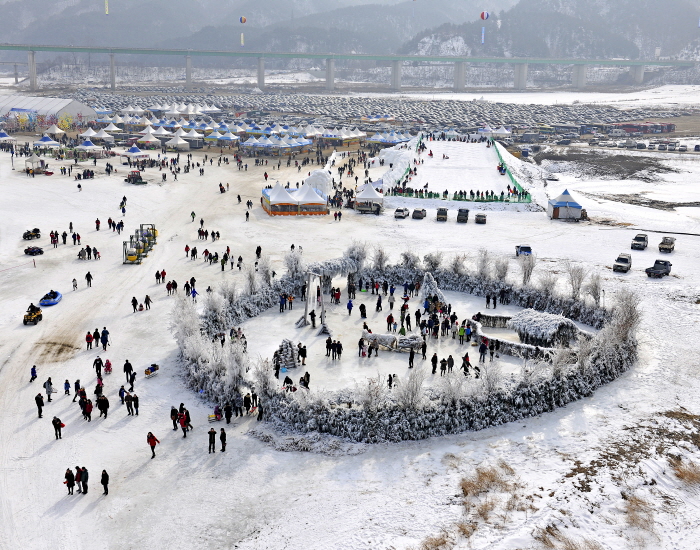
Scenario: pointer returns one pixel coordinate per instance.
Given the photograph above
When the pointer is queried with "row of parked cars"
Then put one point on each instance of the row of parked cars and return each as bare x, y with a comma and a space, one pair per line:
640, 242
441, 216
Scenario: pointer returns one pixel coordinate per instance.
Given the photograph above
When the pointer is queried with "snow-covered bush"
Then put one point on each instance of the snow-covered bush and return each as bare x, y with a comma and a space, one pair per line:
250, 281
576, 274
594, 288
543, 329
296, 268
357, 252
500, 268
429, 288
410, 260
456, 264
409, 394
483, 263
265, 270
527, 266
380, 258
433, 260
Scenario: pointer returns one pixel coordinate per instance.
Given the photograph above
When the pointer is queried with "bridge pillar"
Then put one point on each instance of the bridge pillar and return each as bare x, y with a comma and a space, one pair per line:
112, 73
261, 73
396, 75
188, 72
32, 71
520, 70
330, 74
460, 76
16, 75
579, 77
638, 74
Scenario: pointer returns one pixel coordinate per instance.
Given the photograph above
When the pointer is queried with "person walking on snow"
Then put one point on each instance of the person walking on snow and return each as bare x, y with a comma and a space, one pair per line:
104, 480
33, 373
222, 438
152, 440
39, 399
212, 440
70, 480
57, 425
48, 387
134, 303
104, 338
88, 278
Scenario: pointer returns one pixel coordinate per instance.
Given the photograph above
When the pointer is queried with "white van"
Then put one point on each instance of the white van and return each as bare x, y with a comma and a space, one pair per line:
618, 132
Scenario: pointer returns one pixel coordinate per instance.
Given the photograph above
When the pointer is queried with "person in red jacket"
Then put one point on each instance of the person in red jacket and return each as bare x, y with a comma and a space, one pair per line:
187, 250
162, 275
152, 441
88, 339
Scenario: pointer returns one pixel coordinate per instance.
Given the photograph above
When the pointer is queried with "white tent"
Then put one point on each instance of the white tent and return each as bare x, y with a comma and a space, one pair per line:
46, 141
162, 132
146, 130
54, 130
369, 194
88, 133
88, 145
308, 195
279, 195
501, 132
135, 152
180, 132
149, 138
102, 134
193, 134
112, 128
564, 207
178, 143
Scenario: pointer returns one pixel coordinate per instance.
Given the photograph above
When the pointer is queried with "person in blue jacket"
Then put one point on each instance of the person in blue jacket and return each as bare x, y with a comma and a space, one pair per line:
349, 307
33, 372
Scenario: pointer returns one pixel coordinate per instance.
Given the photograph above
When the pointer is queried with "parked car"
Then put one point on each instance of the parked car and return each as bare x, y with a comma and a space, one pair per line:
641, 145
651, 147
661, 268
442, 214
682, 148
640, 241
663, 147
463, 215
667, 244
671, 146
623, 262
480, 218
419, 213
523, 250
696, 148
401, 213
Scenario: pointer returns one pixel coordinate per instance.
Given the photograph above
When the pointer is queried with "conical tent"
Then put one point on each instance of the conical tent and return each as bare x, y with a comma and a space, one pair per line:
178, 143
369, 194
55, 130
564, 207
279, 195
308, 195
88, 133
112, 128
46, 141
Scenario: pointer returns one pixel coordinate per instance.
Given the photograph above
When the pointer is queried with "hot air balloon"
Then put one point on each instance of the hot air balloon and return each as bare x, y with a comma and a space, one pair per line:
242, 19
484, 15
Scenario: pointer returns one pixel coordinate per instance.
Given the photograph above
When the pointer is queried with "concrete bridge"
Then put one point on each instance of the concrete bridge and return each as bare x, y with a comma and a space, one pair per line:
520, 65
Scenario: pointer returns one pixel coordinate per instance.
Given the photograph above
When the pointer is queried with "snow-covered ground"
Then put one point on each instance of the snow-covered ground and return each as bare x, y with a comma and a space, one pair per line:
573, 464
662, 96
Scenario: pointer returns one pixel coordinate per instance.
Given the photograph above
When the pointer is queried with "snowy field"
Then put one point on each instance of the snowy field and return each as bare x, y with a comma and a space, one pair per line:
255, 496
468, 166
661, 96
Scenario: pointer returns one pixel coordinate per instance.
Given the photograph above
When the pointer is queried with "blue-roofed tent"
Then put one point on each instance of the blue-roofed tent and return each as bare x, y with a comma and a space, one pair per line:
564, 207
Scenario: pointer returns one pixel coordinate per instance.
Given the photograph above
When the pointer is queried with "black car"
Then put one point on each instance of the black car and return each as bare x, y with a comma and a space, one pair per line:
419, 213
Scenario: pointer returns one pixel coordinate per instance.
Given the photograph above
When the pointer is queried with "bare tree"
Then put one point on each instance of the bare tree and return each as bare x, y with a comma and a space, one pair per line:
228, 289
265, 269
433, 260
500, 268
453, 386
250, 280
576, 274
527, 266
548, 281
627, 315
483, 263
295, 265
410, 260
358, 252
409, 394
372, 394
456, 264
380, 258
492, 376
594, 288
